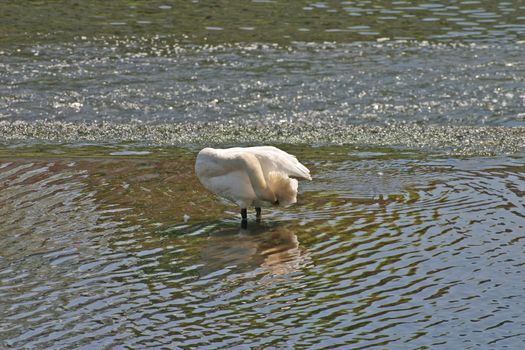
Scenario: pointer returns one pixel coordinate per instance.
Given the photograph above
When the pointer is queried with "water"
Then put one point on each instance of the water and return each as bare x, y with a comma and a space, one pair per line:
472, 84
409, 115
129, 251
267, 21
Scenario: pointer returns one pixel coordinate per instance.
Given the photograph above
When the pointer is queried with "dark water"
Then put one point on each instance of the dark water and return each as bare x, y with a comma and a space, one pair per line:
409, 114
266, 20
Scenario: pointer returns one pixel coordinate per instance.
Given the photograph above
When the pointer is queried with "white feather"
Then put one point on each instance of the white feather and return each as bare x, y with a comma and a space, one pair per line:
252, 175
274, 159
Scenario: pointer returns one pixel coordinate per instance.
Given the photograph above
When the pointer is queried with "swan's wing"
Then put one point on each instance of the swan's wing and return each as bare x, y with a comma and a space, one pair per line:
274, 159
233, 173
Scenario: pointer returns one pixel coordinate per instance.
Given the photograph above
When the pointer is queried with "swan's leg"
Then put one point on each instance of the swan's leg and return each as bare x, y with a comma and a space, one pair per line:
258, 214
244, 216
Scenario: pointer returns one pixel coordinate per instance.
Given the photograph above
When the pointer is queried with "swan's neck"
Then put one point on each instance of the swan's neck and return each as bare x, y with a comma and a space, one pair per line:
261, 188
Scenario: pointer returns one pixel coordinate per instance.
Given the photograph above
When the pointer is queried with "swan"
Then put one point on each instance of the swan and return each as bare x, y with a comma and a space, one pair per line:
251, 176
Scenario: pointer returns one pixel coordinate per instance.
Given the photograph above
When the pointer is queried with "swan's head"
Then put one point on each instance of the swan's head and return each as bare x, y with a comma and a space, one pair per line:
284, 188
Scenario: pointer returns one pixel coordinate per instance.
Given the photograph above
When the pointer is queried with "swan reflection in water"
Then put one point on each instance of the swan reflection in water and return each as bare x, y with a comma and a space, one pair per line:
275, 250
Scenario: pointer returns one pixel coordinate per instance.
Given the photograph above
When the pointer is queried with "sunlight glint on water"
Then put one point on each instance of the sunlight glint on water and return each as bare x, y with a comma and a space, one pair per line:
407, 238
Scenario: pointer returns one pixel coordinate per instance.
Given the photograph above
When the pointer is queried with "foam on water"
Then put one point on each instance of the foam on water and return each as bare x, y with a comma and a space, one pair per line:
465, 140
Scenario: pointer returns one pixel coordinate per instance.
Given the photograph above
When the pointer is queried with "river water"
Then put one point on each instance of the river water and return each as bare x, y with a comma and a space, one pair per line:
410, 116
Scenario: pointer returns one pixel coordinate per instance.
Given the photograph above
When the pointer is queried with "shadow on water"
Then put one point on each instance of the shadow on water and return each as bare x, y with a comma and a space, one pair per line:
267, 247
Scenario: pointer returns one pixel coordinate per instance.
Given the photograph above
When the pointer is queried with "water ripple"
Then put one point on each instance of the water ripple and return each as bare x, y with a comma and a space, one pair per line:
474, 84
430, 256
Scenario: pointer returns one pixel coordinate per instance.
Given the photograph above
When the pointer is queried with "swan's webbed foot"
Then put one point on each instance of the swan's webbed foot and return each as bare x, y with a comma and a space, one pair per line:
258, 214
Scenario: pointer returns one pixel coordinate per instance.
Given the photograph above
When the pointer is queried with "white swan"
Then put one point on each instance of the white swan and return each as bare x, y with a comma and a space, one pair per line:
249, 176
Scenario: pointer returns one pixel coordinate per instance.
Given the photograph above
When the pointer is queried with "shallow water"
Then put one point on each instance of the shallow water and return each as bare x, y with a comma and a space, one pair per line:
166, 87
117, 247
466, 98
411, 117
267, 20
161, 81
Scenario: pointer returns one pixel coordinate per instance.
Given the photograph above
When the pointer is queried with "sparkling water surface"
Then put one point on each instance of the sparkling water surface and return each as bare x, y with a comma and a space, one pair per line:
410, 116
